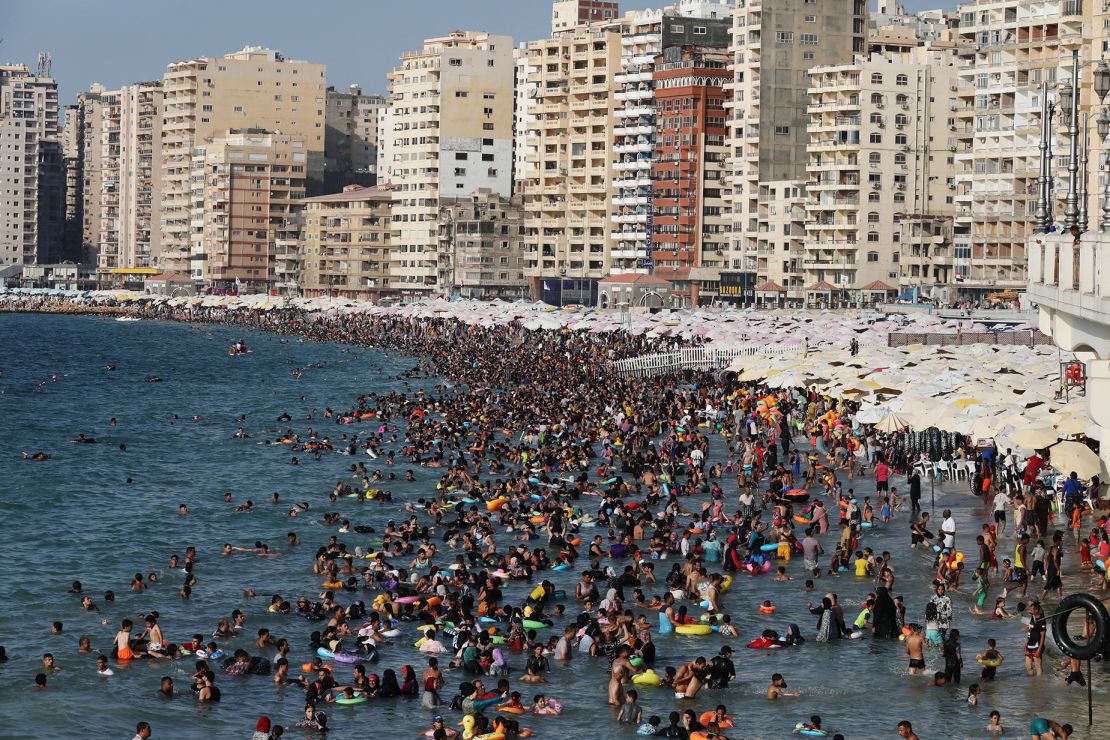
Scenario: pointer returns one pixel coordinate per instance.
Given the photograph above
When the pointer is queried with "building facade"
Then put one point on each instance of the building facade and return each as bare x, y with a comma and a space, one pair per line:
451, 111
32, 176
351, 138
1008, 50
689, 23
249, 187
568, 175
255, 88
773, 47
689, 211
481, 246
347, 243
879, 153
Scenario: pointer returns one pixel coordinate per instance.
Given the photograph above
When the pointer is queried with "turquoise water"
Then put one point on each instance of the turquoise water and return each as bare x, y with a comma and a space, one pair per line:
75, 517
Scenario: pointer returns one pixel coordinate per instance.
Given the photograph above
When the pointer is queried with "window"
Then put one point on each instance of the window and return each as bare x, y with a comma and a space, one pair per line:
876, 78
872, 217
699, 30
487, 112
811, 19
460, 172
809, 56
489, 62
903, 100
784, 37
454, 62
809, 39
877, 119
876, 138
900, 158
782, 130
460, 155
461, 93
238, 109
491, 172
206, 108
900, 139
901, 119
901, 80
675, 28
877, 99
488, 96
875, 158
487, 127
487, 157
872, 256
487, 142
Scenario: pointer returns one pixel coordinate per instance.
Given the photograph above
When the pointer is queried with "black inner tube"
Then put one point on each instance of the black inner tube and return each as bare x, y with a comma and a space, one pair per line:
1068, 645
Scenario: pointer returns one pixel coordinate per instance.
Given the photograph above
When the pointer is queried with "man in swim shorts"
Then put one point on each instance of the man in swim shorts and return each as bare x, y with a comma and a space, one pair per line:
123, 642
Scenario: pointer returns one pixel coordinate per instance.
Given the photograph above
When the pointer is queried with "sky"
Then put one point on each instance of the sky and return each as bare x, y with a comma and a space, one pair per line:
117, 42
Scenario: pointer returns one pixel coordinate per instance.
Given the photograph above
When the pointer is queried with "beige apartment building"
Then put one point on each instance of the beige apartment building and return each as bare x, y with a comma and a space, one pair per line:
346, 249
568, 178
32, 177
774, 44
1008, 48
879, 153
86, 135
451, 112
255, 88
249, 189
482, 239
140, 181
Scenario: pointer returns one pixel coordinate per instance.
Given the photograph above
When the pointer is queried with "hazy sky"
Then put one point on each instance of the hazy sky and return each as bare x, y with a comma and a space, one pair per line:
116, 42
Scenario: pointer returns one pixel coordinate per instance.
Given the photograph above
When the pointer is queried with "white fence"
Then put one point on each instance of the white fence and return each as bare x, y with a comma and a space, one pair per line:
693, 358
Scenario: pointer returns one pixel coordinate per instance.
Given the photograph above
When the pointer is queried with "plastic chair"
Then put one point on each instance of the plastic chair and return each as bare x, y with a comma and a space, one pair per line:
942, 467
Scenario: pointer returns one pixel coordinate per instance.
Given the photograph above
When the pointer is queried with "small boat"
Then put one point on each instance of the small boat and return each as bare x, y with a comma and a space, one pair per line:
128, 318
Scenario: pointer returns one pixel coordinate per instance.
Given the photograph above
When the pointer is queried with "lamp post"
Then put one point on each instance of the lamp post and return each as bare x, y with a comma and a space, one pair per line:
1044, 190
1069, 103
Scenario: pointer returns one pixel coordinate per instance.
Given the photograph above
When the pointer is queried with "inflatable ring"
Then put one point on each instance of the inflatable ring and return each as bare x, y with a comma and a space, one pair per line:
694, 630
766, 609
511, 710
496, 504
1059, 622
711, 716
532, 624
353, 700
802, 520
647, 678
990, 662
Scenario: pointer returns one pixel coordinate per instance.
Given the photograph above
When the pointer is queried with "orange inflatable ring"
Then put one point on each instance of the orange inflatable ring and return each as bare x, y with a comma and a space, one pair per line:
766, 609
711, 716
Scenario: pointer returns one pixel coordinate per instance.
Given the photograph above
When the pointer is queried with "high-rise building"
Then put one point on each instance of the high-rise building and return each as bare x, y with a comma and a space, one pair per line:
248, 188
567, 182
346, 250
878, 156
689, 23
255, 88
32, 177
1008, 50
690, 214
140, 181
566, 14
351, 138
451, 111
481, 246
774, 45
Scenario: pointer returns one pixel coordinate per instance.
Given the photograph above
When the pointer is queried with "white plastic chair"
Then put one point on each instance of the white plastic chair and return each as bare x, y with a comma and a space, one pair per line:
943, 468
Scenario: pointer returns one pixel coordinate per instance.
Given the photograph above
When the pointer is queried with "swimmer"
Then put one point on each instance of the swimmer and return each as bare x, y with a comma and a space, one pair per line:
776, 689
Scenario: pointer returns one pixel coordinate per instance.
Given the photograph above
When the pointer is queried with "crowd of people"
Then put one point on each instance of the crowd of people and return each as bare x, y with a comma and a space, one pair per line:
548, 462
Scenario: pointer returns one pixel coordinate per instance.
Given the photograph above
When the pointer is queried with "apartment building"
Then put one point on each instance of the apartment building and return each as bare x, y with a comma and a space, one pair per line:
567, 14
32, 177
879, 153
248, 189
1008, 49
255, 88
689, 213
346, 244
451, 109
351, 138
82, 143
140, 175
481, 243
567, 180
773, 47
688, 23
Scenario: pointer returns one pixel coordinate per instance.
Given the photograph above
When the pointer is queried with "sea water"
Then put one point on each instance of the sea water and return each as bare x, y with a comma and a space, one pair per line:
77, 518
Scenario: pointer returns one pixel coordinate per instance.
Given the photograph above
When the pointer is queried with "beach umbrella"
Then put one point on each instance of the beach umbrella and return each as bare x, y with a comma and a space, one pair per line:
891, 423
1069, 456
1071, 425
1034, 438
